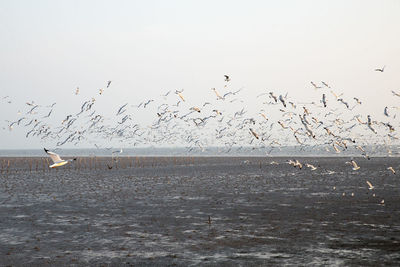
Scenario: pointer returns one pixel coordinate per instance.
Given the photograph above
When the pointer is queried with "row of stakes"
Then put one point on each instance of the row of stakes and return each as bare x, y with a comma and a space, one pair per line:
14, 165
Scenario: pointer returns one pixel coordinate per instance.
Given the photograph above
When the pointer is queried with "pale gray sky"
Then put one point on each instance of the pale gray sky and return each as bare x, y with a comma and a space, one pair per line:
146, 48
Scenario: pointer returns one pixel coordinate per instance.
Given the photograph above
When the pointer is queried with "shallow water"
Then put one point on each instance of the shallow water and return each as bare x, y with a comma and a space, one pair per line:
208, 211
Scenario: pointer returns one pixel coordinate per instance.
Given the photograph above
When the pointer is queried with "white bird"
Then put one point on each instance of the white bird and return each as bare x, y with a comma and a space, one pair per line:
312, 167
370, 185
57, 161
181, 96
254, 133
355, 166
391, 168
195, 109
298, 164
217, 94
336, 149
395, 94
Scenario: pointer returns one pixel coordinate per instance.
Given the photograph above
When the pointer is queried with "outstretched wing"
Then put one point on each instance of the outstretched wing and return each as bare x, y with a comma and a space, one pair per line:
54, 157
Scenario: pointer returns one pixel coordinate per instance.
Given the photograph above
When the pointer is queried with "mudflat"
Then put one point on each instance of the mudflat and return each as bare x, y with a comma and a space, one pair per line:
213, 211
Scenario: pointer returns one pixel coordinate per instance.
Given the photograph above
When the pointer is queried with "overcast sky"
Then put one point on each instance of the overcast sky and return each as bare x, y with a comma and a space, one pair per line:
48, 48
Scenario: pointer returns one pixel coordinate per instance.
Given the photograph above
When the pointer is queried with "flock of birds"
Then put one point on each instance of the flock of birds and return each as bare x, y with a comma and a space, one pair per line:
223, 120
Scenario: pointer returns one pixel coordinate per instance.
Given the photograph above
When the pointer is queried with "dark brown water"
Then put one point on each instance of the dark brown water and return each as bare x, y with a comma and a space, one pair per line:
199, 211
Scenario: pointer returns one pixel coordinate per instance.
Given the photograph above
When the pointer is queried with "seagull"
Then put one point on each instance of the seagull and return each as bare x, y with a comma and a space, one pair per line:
217, 94
108, 83
355, 166
385, 112
324, 100
298, 164
315, 86
274, 97
57, 161
254, 133
196, 109
312, 167
120, 109
380, 70
306, 111
345, 103
391, 168
148, 102
181, 96
282, 100
264, 116
370, 185
227, 79
394, 93
324, 83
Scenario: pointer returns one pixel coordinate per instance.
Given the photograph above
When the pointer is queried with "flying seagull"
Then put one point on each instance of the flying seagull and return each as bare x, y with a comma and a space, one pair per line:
315, 86
392, 170
355, 166
57, 161
370, 186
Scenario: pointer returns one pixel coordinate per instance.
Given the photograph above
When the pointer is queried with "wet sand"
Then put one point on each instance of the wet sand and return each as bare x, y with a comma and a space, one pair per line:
213, 211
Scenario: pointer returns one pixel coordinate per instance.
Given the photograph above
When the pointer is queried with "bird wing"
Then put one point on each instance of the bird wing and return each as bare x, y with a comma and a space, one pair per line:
54, 157
354, 164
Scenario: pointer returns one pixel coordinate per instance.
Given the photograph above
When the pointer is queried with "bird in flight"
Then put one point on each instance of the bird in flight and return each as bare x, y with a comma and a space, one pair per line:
57, 161
325, 84
312, 167
380, 70
108, 83
392, 170
324, 100
395, 94
254, 133
355, 166
370, 185
315, 86
217, 94
227, 78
